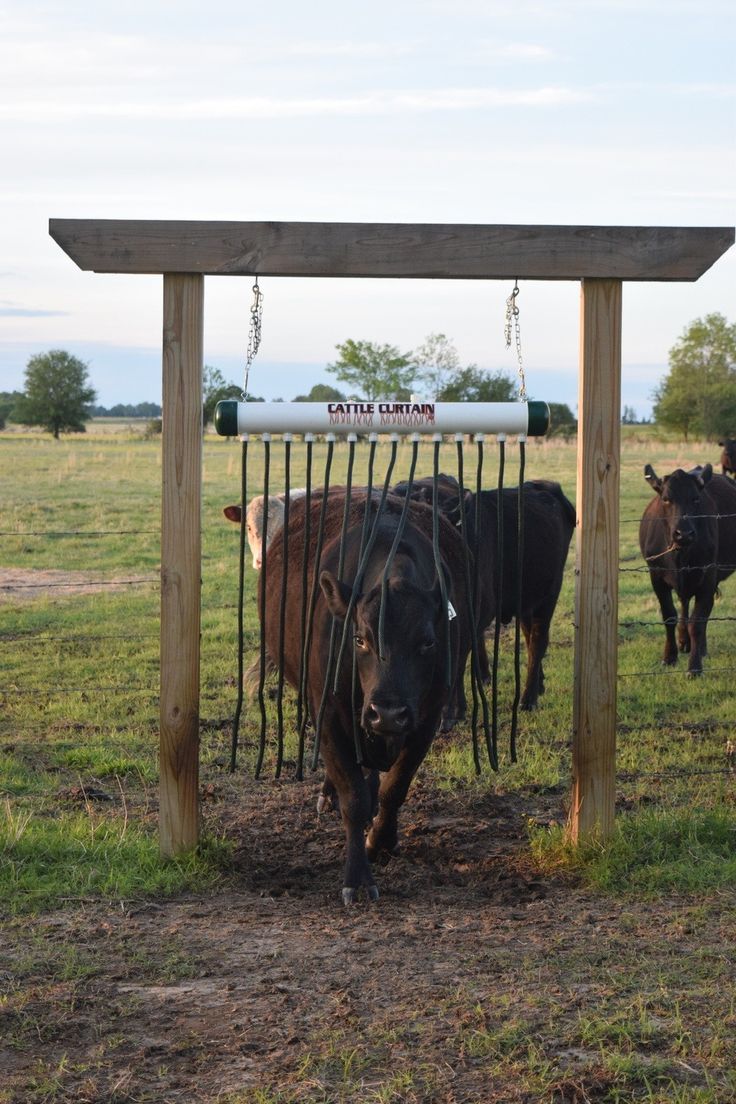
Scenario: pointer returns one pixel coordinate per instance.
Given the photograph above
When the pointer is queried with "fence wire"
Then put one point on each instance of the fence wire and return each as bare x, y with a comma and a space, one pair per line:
141, 690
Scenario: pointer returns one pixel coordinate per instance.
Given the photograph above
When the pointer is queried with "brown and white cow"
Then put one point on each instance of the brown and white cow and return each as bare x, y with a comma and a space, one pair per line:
254, 517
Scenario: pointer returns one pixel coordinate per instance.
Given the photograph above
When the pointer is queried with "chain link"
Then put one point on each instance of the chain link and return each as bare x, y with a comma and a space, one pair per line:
512, 326
254, 333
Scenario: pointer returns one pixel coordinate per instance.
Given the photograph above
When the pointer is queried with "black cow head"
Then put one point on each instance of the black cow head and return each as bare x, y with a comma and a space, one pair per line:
395, 686
681, 498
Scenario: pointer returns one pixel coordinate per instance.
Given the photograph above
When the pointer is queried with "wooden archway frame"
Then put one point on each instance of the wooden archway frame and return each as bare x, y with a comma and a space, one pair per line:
600, 257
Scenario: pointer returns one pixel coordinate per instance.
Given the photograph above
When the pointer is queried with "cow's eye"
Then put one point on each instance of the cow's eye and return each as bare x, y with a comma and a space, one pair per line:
426, 647
360, 643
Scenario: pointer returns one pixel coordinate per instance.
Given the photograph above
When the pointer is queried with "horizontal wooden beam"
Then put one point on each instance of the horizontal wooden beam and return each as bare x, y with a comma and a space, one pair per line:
429, 251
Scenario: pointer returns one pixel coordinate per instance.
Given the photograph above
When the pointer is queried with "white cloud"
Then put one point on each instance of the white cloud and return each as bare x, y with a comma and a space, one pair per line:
269, 107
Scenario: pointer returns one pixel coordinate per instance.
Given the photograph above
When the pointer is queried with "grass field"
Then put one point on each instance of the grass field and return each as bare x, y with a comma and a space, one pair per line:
80, 668
79, 556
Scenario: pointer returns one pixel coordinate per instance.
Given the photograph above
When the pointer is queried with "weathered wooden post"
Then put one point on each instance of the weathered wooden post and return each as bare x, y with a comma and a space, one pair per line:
181, 503
596, 567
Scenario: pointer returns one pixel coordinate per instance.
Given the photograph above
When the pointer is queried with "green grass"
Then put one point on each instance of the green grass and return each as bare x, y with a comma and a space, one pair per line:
650, 852
79, 672
75, 856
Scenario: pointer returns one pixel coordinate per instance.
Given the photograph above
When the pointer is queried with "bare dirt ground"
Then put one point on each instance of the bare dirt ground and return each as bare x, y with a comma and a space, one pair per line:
20, 584
469, 980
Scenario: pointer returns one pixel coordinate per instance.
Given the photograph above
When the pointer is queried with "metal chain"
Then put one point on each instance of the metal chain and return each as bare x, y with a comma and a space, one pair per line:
254, 333
512, 324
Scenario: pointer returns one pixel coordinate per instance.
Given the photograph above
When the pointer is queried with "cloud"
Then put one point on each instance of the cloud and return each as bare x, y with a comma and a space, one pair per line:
10, 310
270, 107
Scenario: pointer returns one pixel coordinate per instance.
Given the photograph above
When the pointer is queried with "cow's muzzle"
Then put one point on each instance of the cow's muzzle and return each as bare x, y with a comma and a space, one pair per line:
683, 536
385, 729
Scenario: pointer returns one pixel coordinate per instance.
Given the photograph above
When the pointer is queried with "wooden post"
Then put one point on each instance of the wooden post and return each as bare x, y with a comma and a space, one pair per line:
596, 599
181, 561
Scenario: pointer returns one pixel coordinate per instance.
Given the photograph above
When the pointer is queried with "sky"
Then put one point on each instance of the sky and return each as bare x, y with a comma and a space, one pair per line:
546, 112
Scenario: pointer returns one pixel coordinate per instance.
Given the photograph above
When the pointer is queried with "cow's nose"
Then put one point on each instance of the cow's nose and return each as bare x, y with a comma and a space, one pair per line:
682, 535
387, 718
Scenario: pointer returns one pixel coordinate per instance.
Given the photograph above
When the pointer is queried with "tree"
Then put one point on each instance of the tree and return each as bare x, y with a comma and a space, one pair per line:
374, 371
57, 395
321, 392
698, 395
472, 384
214, 389
8, 402
562, 421
628, 417
438, 362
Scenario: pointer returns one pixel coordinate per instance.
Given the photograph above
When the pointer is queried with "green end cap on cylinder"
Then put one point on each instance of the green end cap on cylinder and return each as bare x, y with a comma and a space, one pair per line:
226, 417
538, 413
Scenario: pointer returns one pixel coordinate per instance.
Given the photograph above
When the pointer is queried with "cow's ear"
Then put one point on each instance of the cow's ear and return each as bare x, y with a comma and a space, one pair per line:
652, 478
232, 513
338, 594
705, 475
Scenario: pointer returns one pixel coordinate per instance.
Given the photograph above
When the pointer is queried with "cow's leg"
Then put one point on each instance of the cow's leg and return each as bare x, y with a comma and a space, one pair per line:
328, 798
669, 616
683, 632
697, 626
383, 834
536, 635
354, 795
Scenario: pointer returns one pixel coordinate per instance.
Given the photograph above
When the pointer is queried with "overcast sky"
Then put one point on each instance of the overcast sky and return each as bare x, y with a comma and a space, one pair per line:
556, 111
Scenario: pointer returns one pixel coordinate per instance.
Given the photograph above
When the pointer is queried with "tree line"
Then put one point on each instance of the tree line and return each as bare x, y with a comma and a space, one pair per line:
696, 397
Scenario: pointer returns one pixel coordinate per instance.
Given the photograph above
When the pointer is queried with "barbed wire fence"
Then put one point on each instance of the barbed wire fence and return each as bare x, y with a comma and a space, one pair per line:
34, 639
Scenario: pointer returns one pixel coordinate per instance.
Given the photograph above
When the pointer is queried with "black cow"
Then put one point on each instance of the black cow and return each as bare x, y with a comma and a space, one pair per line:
549, 522
687, 535
548, 525
728, 456
399, 697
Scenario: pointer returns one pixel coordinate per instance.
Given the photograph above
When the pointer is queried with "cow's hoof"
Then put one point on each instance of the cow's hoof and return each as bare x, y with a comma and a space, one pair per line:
695, 673
349, 894
527, 706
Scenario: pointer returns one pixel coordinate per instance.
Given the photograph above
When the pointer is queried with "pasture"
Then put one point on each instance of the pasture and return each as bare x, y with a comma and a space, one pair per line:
495, 967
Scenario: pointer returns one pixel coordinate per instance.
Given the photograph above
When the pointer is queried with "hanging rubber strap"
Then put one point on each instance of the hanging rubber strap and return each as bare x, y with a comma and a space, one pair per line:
301, 704
352, 438
282, 607
474, 671
358, 581
490, 734
394, 546
373, 439
315, 584
519, 581
438, 559
241, 591
499, 578
266, 437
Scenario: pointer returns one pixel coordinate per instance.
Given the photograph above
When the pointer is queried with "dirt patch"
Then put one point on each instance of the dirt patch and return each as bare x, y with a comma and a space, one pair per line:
21, 584
473, 978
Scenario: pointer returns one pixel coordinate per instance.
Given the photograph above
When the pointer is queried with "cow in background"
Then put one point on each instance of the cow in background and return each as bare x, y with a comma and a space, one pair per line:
687, 536
549, 522
728, 456
254, 516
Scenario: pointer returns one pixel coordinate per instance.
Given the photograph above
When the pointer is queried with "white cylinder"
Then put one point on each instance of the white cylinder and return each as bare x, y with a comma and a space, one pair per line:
233, 418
